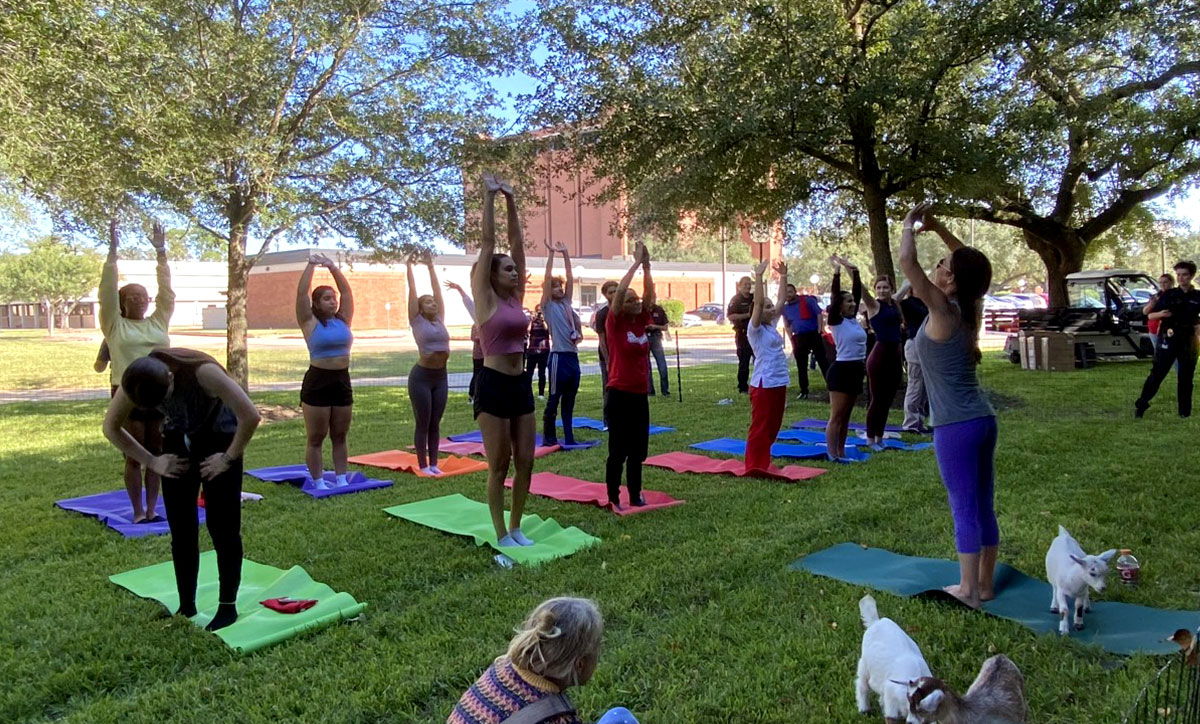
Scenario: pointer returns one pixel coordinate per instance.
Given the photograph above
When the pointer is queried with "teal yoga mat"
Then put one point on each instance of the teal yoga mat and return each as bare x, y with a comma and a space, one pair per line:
460, 515
257, 626
1120, 628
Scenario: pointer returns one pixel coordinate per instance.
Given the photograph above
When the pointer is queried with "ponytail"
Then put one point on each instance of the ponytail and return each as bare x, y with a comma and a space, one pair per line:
972, 278
558, 633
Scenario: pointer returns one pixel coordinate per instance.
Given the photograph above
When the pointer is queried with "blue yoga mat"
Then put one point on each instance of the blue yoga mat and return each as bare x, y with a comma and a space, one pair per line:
1120, 628
114, 510
814, 423
298, 475
810, 437
590, 424
732, 446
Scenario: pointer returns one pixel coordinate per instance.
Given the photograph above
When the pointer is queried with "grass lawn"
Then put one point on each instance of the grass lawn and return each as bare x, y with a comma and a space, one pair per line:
705, 623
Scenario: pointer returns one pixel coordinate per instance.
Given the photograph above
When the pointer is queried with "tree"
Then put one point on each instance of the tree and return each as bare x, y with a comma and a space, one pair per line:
52, 273
699, 247
1096, 113
748, 108
255, 120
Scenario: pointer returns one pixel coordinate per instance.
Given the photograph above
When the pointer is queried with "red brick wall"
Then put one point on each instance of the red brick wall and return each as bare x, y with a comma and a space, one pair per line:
271, 302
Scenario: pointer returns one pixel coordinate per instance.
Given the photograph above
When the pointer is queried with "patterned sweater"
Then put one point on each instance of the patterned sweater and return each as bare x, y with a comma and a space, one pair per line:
500, 692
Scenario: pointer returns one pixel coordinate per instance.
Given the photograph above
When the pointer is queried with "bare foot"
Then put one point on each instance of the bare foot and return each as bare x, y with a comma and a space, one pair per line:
968, 601
986, 594
139, 517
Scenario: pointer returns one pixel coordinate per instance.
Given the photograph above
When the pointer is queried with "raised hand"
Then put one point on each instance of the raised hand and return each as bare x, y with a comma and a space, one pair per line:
505, 187
320, 260
781, 268
760, 268
644, 254
490, 183
560, 247
158, 238
452, 285
920, 212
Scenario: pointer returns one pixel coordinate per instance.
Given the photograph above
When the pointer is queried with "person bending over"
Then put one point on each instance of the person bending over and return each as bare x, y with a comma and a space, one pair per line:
128, 335
326, 396
556, 648
564, 348
768, 383
964, 424
427, 382
1177, 310
209, 420
845, 380
738, 314
504, 394
628, 382
886, 361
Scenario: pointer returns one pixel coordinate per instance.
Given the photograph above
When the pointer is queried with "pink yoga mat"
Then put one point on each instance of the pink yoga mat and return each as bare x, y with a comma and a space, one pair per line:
476, 448
573, 490
682, 462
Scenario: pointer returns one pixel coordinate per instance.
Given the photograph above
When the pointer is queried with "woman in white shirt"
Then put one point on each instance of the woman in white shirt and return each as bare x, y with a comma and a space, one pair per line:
768, 383
845, 379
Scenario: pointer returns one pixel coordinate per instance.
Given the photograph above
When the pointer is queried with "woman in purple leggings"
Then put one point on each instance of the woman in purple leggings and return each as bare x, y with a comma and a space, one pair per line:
964, 424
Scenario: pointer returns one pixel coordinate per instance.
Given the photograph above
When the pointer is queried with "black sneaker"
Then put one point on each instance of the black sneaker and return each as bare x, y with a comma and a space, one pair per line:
1139, 411
637, 502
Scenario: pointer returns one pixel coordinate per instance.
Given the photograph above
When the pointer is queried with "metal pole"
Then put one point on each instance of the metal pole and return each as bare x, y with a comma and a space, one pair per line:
724, 296
678, 370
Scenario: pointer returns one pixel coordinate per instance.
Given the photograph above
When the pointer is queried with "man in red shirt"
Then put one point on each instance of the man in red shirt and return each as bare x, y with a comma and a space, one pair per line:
628, 381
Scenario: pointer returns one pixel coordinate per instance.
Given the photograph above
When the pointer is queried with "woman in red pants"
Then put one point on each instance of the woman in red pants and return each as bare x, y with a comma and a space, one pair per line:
768, 383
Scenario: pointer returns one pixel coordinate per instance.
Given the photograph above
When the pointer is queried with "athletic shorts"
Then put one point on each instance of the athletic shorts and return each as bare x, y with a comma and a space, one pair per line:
326, 388
846, 377
501, 395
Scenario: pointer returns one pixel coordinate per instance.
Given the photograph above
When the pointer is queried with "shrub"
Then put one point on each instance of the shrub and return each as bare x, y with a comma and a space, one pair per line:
674, 310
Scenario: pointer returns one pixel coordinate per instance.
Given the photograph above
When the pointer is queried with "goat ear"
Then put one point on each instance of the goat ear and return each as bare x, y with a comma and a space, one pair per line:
1077, 559
1107, 555
931, 702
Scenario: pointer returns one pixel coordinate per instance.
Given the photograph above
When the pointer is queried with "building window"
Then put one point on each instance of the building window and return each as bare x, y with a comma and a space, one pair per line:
587, 295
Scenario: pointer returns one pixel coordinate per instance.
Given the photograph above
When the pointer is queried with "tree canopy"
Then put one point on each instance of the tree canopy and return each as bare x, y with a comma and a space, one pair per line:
50, 272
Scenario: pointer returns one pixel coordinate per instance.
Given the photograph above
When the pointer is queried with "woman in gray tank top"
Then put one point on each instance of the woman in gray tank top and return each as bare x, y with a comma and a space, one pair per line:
964, 424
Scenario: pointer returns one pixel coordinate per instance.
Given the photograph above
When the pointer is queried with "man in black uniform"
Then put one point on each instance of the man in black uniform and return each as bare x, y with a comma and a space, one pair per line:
738, 314
1179, 310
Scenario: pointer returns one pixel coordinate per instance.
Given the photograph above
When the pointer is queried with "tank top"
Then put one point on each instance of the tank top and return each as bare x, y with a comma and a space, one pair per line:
330, 338
430, 336
190, 411
886, 324
850, 340
504, 332
951, 381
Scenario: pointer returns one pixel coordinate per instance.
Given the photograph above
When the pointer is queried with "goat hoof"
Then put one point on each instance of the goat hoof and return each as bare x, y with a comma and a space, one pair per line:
1054, 609
1079, 626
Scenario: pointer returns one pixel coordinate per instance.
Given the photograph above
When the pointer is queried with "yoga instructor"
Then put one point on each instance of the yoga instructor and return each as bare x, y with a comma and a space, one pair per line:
209, 420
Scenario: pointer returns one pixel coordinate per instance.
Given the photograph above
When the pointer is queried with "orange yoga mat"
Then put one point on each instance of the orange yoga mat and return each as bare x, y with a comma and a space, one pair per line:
407, 462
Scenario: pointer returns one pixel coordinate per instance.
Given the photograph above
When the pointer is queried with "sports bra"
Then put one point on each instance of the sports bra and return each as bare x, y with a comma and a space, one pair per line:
430, 336
331, 338
504, 332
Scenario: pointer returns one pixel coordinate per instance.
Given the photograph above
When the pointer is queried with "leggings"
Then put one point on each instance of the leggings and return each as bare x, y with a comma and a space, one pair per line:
884, 367
223, 517
537, 360
427, 389
966, 454
628, 441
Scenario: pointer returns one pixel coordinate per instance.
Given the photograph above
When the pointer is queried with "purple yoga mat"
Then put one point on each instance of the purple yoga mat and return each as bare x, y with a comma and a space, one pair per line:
298, 475
113, 509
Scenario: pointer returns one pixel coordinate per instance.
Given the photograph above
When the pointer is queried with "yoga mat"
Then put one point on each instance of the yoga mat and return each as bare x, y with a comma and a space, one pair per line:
114, 510
1119, 628
682, 462
589, 423
808, 437
298, 475
820, 425
732, 446
477, 436
407, 462
573, 490
256, 627
451, 447
906, 446
459, 515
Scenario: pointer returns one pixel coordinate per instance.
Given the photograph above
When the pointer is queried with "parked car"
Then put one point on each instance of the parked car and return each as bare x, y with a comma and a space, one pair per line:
585, 312
711, 312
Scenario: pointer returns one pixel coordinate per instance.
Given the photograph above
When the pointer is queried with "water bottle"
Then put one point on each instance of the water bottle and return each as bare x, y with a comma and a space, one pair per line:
1128, 567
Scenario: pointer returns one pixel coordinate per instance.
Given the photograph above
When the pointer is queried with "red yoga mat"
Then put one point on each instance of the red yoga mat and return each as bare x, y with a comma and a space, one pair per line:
682, 462
476, 448
407, 462
573, 490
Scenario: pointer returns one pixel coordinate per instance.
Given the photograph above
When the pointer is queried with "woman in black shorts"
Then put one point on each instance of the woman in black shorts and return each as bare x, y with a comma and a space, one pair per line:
326, 396
845, 379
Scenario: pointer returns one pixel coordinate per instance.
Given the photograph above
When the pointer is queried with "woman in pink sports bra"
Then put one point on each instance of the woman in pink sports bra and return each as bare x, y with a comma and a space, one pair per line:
503, 394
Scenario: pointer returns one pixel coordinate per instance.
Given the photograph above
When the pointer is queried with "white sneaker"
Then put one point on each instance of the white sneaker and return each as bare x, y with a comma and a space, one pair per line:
321, 484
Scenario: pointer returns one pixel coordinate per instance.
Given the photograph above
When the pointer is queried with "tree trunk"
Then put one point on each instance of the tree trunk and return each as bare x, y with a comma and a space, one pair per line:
881, 250
49, 317
237, 360
1062, 252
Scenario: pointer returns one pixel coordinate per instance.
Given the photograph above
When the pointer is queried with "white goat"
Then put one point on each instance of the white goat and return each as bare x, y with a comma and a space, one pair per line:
1070, 572
890, 659
996, 697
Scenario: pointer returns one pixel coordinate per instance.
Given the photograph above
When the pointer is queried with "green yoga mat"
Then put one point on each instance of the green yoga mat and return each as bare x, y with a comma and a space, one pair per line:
1120, 628
257, 626
460, 515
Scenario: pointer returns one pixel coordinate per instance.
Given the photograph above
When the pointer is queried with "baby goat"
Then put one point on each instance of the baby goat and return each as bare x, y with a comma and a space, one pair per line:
889, 660
1070, 572
996, 697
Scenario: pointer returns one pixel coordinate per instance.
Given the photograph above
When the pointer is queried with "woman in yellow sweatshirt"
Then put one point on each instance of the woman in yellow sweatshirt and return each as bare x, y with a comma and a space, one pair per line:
130, 334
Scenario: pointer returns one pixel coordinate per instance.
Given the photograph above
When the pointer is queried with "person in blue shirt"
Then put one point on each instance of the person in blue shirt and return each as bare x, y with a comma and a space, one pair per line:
802, 318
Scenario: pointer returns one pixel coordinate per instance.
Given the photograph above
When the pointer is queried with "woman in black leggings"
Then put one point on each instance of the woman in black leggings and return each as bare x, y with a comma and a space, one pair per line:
886, 360
209, 420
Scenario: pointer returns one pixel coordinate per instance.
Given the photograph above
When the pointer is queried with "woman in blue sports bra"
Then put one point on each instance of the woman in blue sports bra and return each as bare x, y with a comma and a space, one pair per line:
326, 396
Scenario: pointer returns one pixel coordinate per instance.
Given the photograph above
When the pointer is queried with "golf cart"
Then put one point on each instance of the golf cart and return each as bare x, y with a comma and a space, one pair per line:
1104, 319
